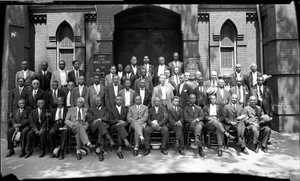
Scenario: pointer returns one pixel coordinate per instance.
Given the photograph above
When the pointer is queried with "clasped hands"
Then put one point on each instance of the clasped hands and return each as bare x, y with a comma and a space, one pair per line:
38, 132
120, 122
155, 125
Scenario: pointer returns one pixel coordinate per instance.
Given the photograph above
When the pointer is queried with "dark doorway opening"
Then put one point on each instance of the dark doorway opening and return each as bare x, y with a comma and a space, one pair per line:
147, 30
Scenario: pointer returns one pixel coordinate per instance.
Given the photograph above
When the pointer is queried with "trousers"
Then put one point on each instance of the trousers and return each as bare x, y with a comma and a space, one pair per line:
165, 135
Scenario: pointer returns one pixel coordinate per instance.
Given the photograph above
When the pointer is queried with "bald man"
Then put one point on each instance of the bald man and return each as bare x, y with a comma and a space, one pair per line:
44, 76
35, 94
25, 73
251, 78
213, 82
237, 73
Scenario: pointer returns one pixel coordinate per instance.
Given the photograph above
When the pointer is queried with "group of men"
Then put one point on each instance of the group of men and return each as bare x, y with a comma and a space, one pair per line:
139, 99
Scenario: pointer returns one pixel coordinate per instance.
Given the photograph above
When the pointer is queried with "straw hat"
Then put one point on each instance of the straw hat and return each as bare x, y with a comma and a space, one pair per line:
16, 136
56, 150
242, 117
266, 118
155, 145
212, 90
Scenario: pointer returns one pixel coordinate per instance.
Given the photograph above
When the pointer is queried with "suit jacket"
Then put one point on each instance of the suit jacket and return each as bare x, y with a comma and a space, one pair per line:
53, 122
161, 116
56, 76
155, 78
147, 98
34, 119
28, 79
116, 116
132, 95
15, 96
137, 83
51, 101
222, 101
233, 77
174, 116
209, 83
172, 66
245, 92
201, 96
219, 111
141, 116
110, 97
137, 70
108, 79
94, 113
157, 93
132, 78
231, 114
254, 114
249, 79
44, 80
31, 102
150, 72
71, 117
189, 114
21, 118
75, 94
267, 99
172, 81
92, 94
184, 96
72, 77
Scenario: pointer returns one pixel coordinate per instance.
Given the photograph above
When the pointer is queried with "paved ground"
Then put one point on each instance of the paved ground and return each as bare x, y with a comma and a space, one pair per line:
282, 161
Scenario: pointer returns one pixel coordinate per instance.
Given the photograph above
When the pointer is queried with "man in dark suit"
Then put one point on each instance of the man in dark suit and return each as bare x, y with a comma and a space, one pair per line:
231, 112
54, 94
148, 81
35, 94
57, 125
251, 77
157, 121
174, 79
183, 92
200, 92
264, 96
98, 119
127, 94
193, 121
149, 68
145, 93
69, 94
44, 76
120, 71
75, 73
223, 95
128, 75
95, 90
27, 74
176, 63
241, 91
118, 123
111, 91
16, 94
213, 118
20, 122
79, 91
160, 69
133, 67
175, 117
237, 73
39, 118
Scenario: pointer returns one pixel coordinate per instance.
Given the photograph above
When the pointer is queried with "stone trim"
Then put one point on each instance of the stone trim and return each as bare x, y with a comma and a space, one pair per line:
203, 16
39, 19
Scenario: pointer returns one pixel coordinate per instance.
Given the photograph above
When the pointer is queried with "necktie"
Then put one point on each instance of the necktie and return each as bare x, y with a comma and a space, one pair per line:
176, 109
55, 96
260, 91
34, 94
20, 91
77, 76
59, 113
127, 76
79, 115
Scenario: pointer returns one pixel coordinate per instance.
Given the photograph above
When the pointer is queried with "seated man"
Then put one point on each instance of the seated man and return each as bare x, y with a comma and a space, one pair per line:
118, 123
176, 124
38, 123
213, 118
257, 125
57, 125
98, 119
193, 121
157, 121
231, 112
137, 118
20, 123
76, 122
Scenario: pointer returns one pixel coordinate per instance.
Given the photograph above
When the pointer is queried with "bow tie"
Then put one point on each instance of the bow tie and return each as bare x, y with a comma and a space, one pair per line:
143, 88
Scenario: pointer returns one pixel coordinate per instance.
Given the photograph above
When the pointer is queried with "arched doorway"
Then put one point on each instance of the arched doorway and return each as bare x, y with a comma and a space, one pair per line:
147, 30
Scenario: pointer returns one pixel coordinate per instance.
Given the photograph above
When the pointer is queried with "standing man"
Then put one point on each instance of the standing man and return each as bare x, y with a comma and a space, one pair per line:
157, 121
137, 118
76, 122
35, 94
27, 74
75, 73
241, 91
160, 69
111, 91
213, 82
148, 81
120, 70
237, 73
168, 81
145, 93
176, 63
128, 75
163, 92
174, 79
223, 95
127, 94
251, 78
69, 94
44, 76
149, 68
79, 91
200, 92
57, 125
16, 94
182, 91
95, 90
109, 77
61, 76
54, 94
133, 67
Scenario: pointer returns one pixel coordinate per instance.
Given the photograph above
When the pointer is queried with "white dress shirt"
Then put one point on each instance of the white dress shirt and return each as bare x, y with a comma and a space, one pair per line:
120, 74
238, 74
240, 93
221, 92
97, 88
61, 113
44, 72
69, 98
21, 89
180, 88
39, 113
254, 78
147, 68
127, 98
115, 89
80, 113
63, 77
119, 109
134, 69
142, 94
128, 75
34, 92
161, 69
163, 92
25, 73
212, 110
259, 89
176, 80
80, 88
156, 109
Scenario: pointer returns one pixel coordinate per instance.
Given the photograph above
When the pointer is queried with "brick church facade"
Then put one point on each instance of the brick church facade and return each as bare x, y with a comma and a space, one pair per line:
207, 37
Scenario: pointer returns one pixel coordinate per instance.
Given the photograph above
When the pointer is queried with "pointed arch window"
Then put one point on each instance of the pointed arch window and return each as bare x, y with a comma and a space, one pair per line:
227, 48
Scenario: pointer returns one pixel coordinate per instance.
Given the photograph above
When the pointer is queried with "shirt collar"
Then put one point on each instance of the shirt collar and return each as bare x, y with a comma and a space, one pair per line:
44, 72
25, 70
80, 86
142, 88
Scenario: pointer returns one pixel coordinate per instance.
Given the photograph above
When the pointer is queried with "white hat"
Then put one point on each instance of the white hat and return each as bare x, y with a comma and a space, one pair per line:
212, 90
266, 118
16, 136
55, 151
242, 117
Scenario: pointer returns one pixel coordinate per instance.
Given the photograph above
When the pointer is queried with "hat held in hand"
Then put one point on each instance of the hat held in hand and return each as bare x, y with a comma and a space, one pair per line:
266, 118
242, 117
211, 90
16, 136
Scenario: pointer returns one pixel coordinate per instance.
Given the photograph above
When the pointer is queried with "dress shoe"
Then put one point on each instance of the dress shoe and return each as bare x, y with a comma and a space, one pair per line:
256, 148
52, 155
61, 157
135, 152
177, 144
120, 155
201, 152
101, 157
181, 152
269, 143
78, 156
22, 154
164, 151
264, 149
10, 153
28, 154
245, 151
111, 144
147, 151
220, 153
143, 141
42, 154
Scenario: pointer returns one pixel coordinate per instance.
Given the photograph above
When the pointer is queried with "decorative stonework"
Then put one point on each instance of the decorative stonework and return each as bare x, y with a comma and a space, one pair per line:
91, 17
39, 19
240, 38
251, 16
203, 16
52, 39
